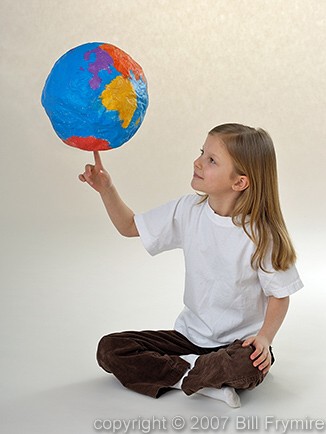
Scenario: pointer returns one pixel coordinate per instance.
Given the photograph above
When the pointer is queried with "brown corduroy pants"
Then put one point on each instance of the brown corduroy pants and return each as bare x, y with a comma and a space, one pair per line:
148, 362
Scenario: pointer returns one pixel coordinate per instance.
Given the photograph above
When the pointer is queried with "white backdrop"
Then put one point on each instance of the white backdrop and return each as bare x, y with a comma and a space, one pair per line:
67, 277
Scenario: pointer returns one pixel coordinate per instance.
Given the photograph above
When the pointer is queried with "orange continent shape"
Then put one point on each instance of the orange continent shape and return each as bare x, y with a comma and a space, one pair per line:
123, 62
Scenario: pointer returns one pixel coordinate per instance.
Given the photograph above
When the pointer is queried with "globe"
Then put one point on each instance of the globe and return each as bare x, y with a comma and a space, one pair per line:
95, 97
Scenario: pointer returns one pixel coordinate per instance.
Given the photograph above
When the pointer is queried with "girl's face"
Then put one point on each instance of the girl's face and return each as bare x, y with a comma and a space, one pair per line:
214, 172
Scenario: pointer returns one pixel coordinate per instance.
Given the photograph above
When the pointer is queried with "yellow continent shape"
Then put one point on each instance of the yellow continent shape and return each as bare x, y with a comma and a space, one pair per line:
120, 95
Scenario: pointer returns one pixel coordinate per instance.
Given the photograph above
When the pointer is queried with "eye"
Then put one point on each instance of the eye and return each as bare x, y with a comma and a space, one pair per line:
201, 151
212, 161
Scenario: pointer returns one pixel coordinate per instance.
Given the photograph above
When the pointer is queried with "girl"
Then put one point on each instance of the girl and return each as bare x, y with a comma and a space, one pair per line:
240, 272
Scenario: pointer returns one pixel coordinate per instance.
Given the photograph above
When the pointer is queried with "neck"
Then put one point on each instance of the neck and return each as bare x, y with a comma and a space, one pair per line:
222, 207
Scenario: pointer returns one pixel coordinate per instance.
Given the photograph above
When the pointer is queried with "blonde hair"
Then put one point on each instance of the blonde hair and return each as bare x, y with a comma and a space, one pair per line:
253, 155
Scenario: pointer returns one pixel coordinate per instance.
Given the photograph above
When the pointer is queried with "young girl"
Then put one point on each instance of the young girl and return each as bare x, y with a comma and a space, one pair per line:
240, 272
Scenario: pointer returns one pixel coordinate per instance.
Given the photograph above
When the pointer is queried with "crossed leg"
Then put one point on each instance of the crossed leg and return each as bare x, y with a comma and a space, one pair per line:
149, 362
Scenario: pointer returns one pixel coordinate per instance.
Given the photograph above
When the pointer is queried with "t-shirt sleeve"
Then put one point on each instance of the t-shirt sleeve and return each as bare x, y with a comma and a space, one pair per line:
280, 283
160, 229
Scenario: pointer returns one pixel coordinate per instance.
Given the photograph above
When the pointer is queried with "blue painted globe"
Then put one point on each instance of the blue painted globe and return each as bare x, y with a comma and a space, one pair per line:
95, 96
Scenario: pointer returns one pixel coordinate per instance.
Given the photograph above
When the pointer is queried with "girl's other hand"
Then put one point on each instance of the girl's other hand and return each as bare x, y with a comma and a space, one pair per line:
96, 176
261, 357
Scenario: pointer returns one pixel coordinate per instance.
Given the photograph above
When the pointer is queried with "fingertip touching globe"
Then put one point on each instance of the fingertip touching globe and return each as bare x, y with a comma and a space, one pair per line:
95, 96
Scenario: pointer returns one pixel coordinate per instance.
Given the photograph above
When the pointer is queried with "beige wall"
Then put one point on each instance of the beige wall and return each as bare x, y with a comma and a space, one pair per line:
66, 276
260, 62
207, 62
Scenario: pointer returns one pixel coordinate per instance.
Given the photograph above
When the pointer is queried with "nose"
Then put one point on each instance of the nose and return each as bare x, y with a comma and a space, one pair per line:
197, 162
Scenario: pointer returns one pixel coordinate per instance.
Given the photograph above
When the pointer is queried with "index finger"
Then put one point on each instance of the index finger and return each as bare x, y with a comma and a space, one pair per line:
97, 159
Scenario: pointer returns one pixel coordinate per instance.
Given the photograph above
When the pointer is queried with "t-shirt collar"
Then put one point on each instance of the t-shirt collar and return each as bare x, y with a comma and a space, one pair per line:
218, 219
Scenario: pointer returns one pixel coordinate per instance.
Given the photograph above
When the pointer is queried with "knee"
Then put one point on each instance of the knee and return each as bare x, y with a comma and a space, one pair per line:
246, 375
237, 352
107, 349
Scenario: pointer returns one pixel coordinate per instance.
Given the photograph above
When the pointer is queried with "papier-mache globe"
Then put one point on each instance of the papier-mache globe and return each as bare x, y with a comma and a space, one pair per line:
95, 96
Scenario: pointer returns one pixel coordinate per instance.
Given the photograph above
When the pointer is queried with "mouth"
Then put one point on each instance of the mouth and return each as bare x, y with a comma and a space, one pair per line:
197, 176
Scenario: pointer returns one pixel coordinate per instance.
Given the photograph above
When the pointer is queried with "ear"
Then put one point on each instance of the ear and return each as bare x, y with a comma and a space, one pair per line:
241, 183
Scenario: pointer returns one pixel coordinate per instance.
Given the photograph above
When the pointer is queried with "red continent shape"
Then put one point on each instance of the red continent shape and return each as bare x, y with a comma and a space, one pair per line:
88, 143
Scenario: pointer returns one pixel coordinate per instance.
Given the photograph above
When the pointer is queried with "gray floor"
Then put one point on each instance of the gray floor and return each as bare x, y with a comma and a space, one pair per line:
55, 310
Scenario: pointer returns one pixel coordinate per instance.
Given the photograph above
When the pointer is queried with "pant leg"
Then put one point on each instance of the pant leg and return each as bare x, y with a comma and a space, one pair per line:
228, 366
147, 362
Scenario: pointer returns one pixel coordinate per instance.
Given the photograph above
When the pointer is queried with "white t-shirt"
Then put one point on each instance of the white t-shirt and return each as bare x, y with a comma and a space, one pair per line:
225, 298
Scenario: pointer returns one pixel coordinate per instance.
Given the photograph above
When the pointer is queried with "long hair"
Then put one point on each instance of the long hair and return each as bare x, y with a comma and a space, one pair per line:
253, 155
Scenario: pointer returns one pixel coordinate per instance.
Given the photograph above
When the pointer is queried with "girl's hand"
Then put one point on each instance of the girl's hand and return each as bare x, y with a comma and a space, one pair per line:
96, 176
261, 357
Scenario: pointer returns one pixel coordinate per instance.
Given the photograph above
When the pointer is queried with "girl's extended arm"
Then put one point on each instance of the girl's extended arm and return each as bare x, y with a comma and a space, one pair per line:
275, 314
121, 216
